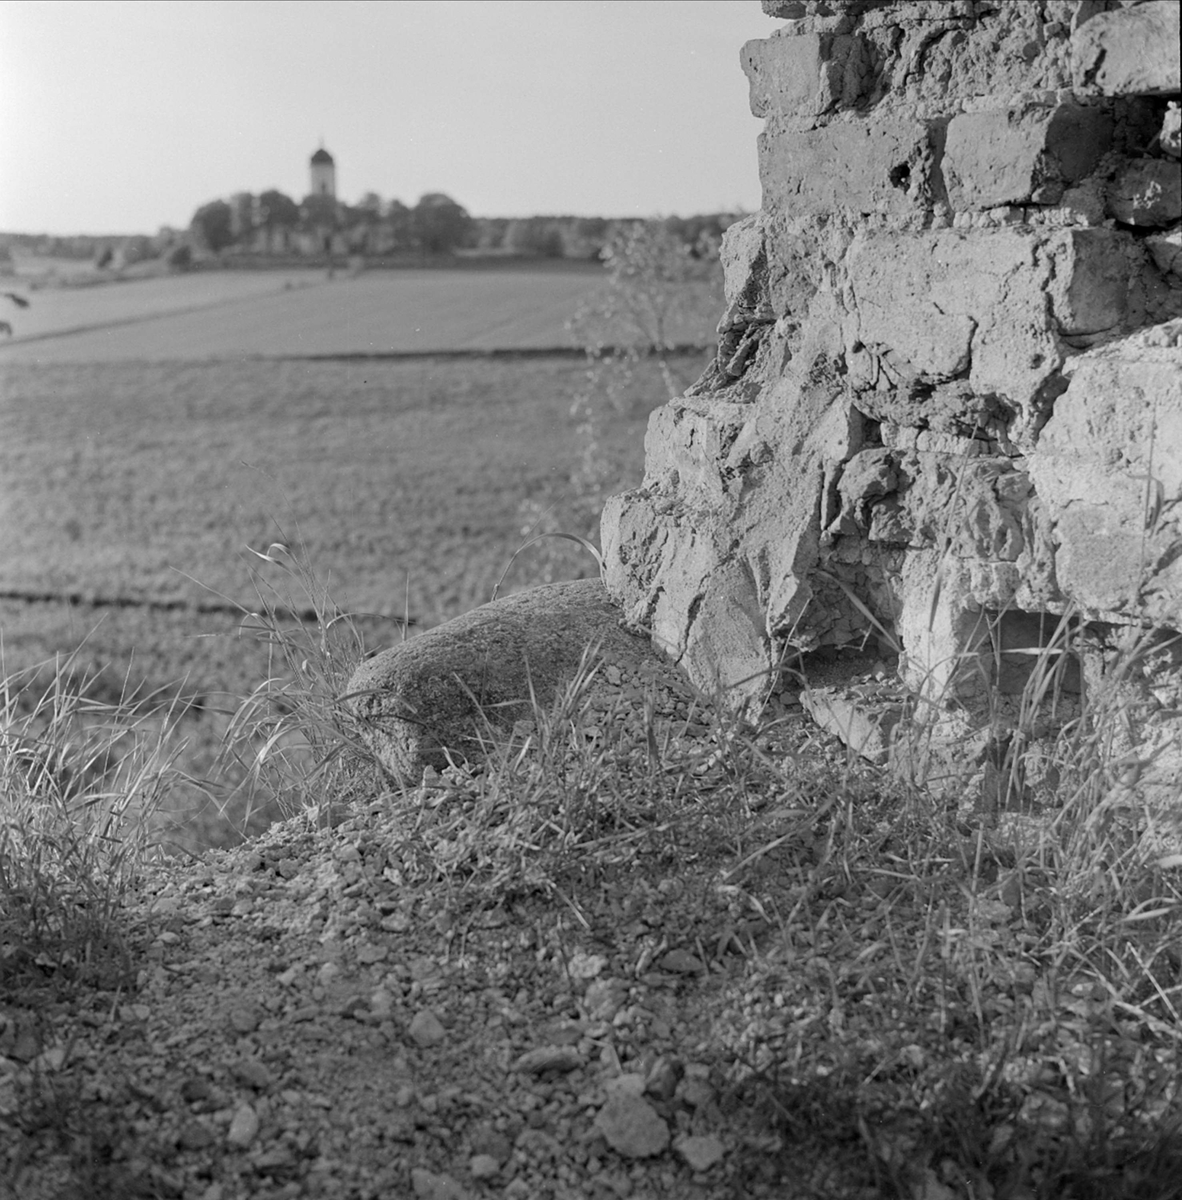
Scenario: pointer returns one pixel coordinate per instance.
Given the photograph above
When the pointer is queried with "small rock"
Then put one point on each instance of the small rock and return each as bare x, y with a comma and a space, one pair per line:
195, 1090
632, 1127
700, 1153
604, 998
381, 1004
274, 1158
483, 1166
327, 974
195, 1136
662, 1078
489, 1142
426, 1028
680, 962
244, 1127
631, 1084
586, 966
697, 1093
549, 1058
429, 1186
244, 1019
254, 1074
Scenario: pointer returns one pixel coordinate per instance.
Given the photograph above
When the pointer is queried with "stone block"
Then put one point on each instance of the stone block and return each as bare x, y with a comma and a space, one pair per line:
1170, 136
1022, 156
864, 717
804, 75
862, 165
744, 274
1090, 278
443, 692
973, 304
1166, 251
1108, 469
934, 301
1147, 192
1129, 51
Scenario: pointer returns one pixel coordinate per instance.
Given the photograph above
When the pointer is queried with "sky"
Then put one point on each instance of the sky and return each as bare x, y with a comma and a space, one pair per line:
121, 117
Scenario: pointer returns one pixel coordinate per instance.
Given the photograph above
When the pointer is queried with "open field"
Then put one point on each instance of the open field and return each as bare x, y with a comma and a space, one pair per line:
125, 480
130, 487
182, 425
245, 314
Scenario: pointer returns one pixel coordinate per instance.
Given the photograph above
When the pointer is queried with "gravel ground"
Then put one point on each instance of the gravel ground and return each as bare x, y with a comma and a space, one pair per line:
305, 1016
710, 990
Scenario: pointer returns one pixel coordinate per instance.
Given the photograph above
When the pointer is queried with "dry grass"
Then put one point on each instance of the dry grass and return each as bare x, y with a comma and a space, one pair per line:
80, 782
411, 485
896, 1000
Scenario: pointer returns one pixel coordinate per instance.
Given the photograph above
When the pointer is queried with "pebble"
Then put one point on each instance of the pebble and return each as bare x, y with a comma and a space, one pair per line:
254, 1074
429, 1186
663, 1077
548, 1058
680, 962
244, 1127
604, 998
483, 1166
625, 1085
632, 1127
426, 1029
195, 1135
381, 1004
700, 1153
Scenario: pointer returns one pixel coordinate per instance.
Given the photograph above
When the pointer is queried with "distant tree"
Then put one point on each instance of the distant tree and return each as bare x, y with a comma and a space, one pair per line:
370, 203
180, 258
211, 223
537, 236
277, 210
400, 219
583, 237
135, 249
320, 211
440, 225
488, 233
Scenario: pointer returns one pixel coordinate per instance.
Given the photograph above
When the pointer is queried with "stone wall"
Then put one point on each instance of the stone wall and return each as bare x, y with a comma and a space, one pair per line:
944, 425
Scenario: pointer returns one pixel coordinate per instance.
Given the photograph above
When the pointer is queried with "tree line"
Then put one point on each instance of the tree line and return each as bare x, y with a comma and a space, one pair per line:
273, 223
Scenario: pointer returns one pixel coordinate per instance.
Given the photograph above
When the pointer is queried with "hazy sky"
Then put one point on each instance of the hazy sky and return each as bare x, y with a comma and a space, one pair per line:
121, 117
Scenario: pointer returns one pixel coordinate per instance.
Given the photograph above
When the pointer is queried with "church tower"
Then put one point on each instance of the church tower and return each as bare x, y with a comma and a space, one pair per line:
323, 173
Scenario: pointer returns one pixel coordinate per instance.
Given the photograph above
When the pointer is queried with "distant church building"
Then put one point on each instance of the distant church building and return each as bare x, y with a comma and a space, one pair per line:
323, 174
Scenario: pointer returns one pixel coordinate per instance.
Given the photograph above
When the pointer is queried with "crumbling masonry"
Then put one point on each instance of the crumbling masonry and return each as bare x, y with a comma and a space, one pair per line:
944, 427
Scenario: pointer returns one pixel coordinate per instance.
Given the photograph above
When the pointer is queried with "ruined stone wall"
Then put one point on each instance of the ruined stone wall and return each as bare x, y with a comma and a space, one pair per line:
946, 410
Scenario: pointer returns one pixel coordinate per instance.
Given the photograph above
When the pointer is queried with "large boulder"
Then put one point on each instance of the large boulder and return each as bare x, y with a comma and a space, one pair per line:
442, 694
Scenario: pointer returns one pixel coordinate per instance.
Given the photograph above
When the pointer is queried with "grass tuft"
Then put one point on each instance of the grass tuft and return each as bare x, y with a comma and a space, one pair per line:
80, 782
294, 740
